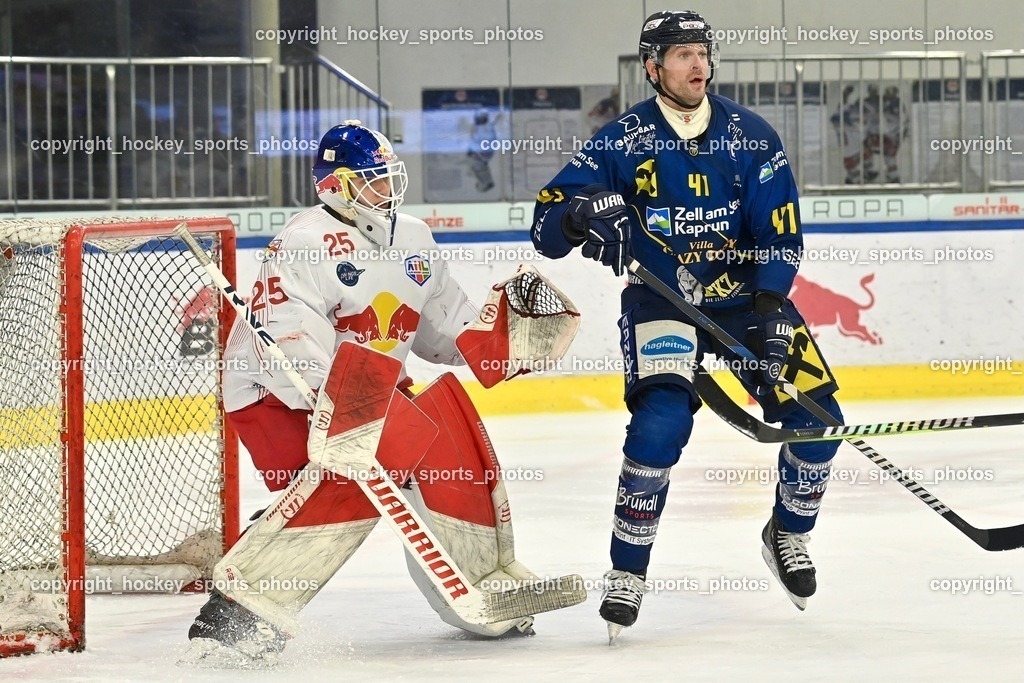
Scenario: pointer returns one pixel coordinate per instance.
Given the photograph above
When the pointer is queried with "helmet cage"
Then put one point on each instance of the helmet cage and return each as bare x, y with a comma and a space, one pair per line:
366, 198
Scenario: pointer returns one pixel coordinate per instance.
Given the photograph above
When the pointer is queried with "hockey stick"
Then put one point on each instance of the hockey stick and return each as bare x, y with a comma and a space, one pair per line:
458, 592
737, 417
1003, 538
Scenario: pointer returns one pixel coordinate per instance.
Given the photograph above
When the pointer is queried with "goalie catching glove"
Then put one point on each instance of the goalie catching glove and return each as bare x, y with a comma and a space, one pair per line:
526, 323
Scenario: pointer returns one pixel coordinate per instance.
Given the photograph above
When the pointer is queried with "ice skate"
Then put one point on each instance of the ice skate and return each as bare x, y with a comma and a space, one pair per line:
786, 555
620, 604
227, 635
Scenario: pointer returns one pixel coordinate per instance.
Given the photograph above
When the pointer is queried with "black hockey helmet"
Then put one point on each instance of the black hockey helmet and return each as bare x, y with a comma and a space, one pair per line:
663, 29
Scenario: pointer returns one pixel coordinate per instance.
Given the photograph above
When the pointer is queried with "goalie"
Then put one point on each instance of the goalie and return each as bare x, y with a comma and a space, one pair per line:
354, 270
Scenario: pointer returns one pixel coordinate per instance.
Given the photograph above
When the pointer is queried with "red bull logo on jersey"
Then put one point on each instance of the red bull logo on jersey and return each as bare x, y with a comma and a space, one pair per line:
364, 325
418, 269
382, 325
820, 306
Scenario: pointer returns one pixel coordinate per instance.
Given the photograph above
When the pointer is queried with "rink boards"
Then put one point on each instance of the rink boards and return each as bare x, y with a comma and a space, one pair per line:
909, 297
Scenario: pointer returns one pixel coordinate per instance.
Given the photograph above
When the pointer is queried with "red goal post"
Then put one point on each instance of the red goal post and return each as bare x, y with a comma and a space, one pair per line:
118, 470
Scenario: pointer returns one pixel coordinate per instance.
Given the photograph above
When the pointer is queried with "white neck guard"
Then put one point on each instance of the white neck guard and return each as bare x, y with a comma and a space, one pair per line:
687, 124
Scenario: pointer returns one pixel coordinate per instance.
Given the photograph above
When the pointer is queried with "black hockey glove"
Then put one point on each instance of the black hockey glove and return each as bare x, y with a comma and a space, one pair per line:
769, 334
598, 220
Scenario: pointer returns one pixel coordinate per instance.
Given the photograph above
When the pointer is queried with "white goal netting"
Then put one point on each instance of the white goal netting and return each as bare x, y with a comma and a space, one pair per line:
149, 429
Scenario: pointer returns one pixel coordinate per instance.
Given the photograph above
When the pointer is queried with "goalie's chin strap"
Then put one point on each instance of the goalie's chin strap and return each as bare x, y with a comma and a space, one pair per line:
337, 216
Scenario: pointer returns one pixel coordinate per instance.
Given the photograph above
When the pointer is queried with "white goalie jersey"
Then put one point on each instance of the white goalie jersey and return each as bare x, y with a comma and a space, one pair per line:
323, 282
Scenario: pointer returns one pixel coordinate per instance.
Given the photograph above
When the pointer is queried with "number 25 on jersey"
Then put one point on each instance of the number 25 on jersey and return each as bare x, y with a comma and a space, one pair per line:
271, 291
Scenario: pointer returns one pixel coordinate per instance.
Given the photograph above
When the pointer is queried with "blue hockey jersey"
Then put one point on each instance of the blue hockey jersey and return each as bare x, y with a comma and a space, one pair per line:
717, 215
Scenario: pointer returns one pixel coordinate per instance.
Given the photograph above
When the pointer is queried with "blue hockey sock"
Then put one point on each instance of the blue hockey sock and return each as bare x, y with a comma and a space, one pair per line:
638, 506
801, 486
804, 470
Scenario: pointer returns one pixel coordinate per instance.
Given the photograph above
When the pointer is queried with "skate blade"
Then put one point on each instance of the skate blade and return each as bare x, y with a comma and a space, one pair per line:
613, 632
206, 653
769, 559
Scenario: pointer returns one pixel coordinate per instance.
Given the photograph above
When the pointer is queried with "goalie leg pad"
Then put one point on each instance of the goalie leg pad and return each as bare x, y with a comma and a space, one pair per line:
351, 409
469, 544
460, 469
316, 524
459, 492
303, 538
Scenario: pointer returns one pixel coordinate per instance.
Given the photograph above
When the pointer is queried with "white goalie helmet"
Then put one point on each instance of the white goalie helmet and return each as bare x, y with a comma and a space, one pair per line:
358, 174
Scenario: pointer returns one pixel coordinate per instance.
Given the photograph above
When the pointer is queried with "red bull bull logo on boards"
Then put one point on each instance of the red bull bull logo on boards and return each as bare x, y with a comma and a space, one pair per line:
820, 306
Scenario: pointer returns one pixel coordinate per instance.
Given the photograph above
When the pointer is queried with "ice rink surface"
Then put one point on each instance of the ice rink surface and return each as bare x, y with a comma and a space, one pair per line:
885, 607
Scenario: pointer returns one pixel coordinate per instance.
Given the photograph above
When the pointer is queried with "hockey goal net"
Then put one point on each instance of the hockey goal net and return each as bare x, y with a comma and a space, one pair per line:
117, 470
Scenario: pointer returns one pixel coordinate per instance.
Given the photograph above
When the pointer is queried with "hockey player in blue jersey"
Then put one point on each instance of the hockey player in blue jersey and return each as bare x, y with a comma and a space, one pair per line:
699, 190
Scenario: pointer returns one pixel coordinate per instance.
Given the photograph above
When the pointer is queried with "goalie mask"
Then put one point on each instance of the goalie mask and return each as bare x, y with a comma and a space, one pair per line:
358, 174
665, 29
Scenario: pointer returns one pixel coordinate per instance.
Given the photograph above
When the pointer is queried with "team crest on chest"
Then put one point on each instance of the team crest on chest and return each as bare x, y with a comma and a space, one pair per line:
418, 269
349, 274
647, 179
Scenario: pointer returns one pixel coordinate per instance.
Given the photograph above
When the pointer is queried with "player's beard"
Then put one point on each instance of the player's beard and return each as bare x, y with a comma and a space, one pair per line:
688, 93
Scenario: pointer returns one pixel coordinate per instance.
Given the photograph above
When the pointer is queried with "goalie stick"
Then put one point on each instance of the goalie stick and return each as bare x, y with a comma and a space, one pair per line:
1002, 538
471, 604
748, 424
